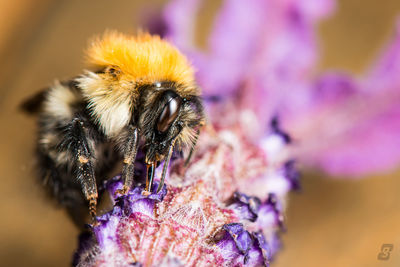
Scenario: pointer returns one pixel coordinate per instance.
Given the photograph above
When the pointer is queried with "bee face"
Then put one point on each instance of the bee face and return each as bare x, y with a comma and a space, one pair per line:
167, 118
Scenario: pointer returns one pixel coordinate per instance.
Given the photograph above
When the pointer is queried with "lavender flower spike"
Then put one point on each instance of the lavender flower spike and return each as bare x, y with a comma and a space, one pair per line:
212, 213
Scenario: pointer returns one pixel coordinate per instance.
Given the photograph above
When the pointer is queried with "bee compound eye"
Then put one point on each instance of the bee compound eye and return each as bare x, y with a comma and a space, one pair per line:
169, 114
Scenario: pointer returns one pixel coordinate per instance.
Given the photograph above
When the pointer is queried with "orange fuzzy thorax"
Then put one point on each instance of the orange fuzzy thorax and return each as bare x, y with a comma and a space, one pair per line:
143, 58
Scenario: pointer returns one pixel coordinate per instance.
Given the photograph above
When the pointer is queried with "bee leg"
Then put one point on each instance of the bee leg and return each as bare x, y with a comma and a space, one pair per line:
165, 167
192, 148
150, 176
86, 176
130, 151
79, 142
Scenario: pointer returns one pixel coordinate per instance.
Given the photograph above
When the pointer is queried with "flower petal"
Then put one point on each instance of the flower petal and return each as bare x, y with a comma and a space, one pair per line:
349, 126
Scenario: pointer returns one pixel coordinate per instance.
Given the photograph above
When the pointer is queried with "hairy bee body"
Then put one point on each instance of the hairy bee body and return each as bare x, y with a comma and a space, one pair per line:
143, 95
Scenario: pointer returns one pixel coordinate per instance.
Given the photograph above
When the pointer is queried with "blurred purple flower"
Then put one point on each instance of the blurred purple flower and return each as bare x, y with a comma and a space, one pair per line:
264, 53
227, 207
351, 125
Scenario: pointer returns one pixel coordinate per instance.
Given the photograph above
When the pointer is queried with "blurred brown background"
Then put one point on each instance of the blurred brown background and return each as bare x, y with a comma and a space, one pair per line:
332, 222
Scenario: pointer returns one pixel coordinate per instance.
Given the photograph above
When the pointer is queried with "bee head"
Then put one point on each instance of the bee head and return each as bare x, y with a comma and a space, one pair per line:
165, 118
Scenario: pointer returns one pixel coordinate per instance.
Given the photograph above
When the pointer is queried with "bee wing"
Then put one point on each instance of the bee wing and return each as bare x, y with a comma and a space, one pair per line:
33, 105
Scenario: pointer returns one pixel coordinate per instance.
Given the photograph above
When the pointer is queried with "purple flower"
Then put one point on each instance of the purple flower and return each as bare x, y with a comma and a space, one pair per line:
226, 207
351, 125
199, 218
263, 53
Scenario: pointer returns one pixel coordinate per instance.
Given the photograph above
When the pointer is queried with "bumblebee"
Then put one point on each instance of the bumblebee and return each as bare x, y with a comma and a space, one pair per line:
142, 95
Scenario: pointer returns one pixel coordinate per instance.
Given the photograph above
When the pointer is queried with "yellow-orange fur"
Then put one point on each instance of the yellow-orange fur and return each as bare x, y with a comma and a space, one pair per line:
142, 59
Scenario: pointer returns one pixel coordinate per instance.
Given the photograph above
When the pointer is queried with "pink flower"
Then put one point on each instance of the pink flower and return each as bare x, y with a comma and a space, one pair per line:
350, 125
264, 53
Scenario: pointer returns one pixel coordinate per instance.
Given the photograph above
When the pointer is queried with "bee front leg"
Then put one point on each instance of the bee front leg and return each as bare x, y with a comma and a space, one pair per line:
129, 150
78, 142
